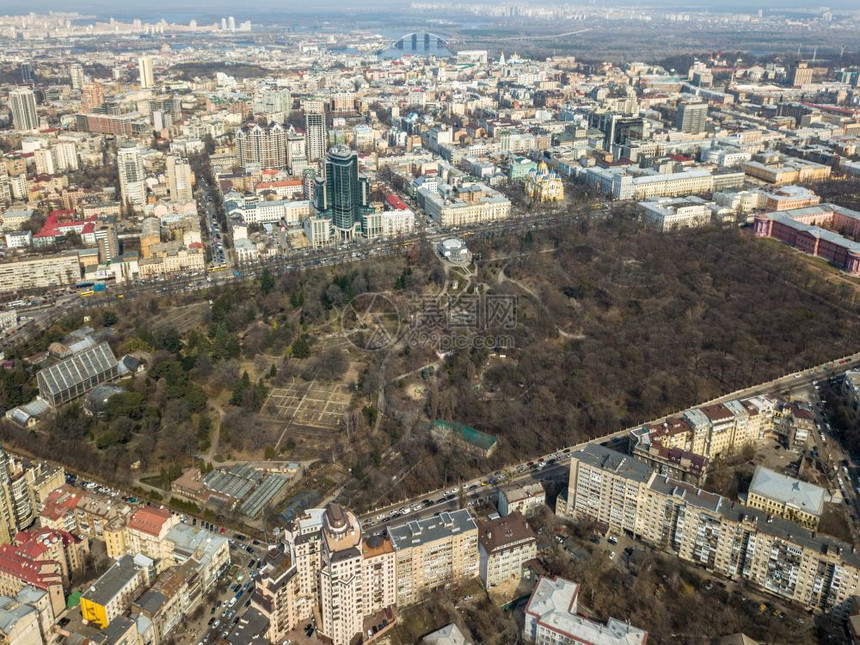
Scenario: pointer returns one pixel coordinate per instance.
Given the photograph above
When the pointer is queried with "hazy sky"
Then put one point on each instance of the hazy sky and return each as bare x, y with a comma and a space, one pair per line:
258, 9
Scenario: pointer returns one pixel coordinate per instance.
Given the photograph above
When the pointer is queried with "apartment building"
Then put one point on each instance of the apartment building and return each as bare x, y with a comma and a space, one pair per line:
795, 500
465, 205
265, 146
209, 553
606, 486
277, 592
682, 447
851, 387
551, 618
173, 596
19, 570
85, 514
172, 257
504, 545
326, 568
526, 499
145, 532
113, 592
180, 179
735, 540
39, 272
434, 552
341, 584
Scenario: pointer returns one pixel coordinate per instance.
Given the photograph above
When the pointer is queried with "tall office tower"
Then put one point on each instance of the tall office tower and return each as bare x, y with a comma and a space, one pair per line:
342, 195
265, 146
179, 179
144, 69
27, 75
107, 242
132, 176
231, 23
76, 74
23, 103
92, 96
691, 117
223, 24
618, 129
315, 130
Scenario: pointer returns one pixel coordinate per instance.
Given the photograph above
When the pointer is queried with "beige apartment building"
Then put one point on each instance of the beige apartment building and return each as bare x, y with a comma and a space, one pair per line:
504, 545
434, 552
683, 446
171, 257
737, 541
39, 273
144, 532
276, 593
326, 568
466, 205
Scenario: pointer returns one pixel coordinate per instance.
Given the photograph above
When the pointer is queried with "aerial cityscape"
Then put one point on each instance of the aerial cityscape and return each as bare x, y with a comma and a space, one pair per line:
431, 322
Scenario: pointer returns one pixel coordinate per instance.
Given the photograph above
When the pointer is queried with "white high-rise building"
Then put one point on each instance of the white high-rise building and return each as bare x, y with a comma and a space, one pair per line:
23, 104
44, 161
179, 179
315, 130
231, 23
131, 176
144, 68
76, 74
65, 156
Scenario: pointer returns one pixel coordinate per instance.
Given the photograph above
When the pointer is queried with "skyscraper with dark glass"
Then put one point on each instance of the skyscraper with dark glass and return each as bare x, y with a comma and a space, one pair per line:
343, 195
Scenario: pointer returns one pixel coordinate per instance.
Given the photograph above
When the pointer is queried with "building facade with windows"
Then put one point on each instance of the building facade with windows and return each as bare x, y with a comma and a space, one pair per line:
735, 540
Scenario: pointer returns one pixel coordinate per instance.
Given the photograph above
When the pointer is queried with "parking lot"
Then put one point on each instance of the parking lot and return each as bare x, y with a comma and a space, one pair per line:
233, 593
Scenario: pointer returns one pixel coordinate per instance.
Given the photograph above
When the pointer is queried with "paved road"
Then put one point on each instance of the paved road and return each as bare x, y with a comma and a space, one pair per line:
487, 486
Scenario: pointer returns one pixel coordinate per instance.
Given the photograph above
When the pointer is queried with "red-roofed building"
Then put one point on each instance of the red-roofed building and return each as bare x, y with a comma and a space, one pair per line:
283, 188
49, 544
144, 533
62, 222
41, 558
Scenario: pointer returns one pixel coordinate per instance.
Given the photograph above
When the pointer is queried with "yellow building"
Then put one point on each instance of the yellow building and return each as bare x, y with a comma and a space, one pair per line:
544, 185
114, 591
786, 497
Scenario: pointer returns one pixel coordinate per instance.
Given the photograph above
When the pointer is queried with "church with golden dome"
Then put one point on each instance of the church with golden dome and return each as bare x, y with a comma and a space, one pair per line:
544, 185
